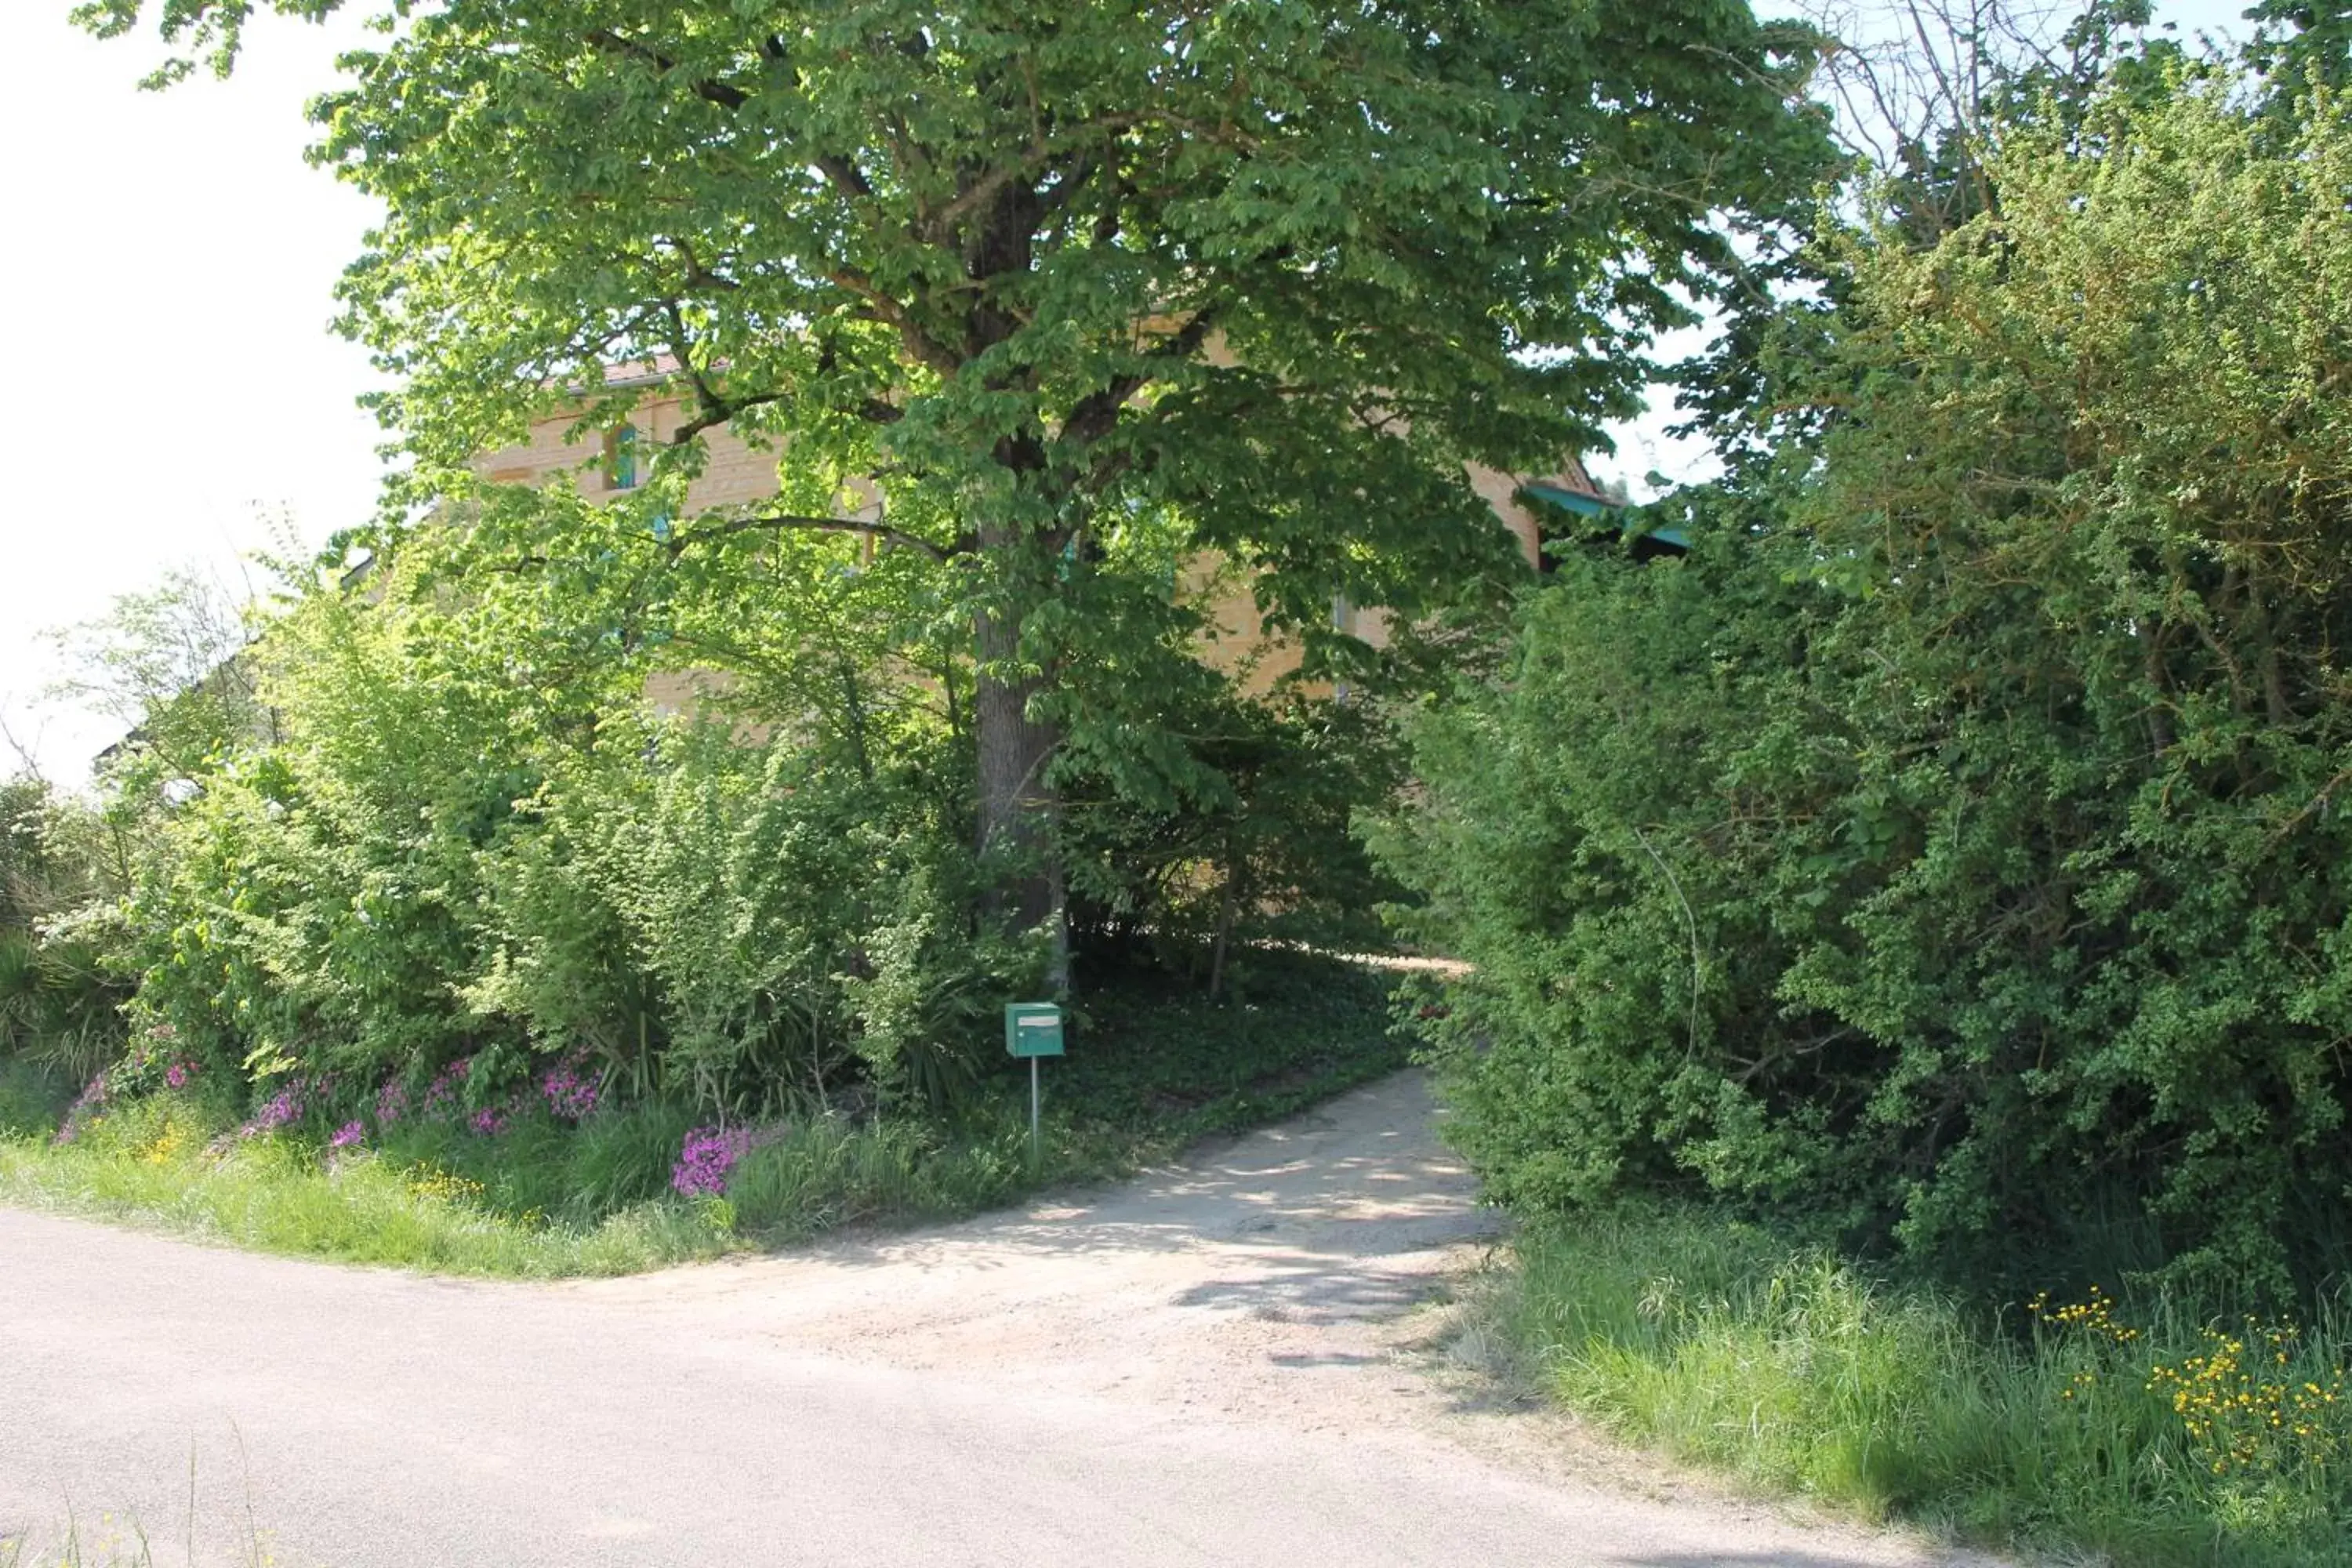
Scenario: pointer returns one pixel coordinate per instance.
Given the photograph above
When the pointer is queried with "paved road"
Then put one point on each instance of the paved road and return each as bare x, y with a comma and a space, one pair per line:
1224, 1362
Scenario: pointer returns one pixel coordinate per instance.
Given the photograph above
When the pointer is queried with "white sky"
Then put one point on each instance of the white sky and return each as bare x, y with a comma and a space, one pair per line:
168, 265
177, 398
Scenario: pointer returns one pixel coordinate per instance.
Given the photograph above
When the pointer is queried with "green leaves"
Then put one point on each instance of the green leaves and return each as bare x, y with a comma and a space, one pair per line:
1274, 271
1986, 749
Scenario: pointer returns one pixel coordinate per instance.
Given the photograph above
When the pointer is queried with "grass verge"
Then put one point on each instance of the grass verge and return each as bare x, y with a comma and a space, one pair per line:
1151, 1068
2140, 1432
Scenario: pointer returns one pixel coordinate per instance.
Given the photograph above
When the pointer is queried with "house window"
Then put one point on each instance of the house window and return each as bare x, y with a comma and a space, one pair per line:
623, 462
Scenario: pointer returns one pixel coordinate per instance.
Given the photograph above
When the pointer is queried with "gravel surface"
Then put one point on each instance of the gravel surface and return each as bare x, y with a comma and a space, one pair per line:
1231, 1361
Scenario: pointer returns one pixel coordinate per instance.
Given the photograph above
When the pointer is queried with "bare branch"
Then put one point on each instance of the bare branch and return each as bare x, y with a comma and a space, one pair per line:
716, 408
28, 763
942, 224
698, 275
891, 313
845, 175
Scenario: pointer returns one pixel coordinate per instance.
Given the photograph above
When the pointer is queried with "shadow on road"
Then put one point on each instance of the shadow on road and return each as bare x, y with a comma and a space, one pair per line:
1361, 1179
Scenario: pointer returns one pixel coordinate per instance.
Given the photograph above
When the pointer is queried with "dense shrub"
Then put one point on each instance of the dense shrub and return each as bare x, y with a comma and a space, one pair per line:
59, 1005
471, 841
1238, 833
780, 922
1952, 847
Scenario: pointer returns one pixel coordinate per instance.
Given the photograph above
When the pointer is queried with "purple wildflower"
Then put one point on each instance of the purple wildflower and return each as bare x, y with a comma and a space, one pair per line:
569, 1094
486, 1122
349, 1133
709, 1155
178, 1074
391, 1102
447, 1084
279, 1108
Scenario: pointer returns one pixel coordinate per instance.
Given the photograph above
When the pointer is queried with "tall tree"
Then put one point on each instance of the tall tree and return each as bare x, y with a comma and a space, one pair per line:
1276, 269
2299, 42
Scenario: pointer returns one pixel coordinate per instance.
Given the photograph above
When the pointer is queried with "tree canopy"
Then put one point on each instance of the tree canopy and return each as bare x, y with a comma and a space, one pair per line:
1266, 273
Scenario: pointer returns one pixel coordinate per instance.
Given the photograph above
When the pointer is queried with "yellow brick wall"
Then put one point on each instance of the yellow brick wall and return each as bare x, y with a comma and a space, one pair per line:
734, 473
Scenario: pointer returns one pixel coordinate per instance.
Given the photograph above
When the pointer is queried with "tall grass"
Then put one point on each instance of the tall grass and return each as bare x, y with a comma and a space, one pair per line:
2075, 1426
1153, 1067
541, 1200
829, 1173
160, 1163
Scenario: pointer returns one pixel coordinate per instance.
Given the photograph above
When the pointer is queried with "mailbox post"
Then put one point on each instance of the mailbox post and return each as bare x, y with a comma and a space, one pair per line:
1033, 1029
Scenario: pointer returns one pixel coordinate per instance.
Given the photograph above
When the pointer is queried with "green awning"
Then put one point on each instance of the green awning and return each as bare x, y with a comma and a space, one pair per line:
1584, 505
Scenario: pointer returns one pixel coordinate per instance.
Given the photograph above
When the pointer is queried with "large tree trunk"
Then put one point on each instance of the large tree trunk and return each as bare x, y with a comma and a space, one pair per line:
1018, 808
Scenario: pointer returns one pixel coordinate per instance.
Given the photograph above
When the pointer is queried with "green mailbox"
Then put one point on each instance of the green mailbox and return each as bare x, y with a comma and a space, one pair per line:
1033, 1029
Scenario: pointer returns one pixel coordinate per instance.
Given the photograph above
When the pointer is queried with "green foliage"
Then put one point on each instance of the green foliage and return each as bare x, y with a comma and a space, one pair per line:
1723, 1345
33, 1096
800, 921
1154, 1065
1950, 847
155, 1160
1151, 1056
1239, 831
59, 1008
472, 839
311, 908
1263, 278
2299, 43
829, 1173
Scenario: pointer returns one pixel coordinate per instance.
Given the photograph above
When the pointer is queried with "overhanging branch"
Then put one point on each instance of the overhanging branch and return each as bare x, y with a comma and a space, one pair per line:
714, 408
779, 522
1096, 414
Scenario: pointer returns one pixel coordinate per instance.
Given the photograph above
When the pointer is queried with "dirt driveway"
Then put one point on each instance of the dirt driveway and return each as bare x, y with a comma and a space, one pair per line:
1226, 1361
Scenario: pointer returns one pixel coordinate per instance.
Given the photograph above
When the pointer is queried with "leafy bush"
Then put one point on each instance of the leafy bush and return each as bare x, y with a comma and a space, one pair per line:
1952, 847
59, 1004
465, 836
440, 860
